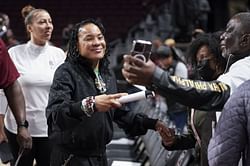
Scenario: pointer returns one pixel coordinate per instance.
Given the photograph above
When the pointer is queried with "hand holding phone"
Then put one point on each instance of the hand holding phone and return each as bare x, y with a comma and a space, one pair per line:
141, 49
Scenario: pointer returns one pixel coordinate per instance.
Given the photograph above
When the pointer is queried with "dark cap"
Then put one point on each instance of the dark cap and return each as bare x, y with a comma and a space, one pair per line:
163, 52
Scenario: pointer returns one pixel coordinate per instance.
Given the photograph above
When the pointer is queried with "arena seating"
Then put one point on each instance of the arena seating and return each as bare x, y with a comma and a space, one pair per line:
146, 150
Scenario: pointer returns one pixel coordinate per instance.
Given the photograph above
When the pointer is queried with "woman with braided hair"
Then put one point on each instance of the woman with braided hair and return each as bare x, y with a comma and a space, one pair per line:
83, 102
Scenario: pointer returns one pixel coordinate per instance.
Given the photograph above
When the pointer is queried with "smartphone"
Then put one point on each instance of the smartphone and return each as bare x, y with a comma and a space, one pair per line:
141, 49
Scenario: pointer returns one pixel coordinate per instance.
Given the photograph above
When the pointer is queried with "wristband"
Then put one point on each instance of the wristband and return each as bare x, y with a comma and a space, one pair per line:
88, 105
23, 124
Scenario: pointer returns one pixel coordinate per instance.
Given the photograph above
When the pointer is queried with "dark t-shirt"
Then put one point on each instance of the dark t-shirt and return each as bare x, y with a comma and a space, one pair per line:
8, 71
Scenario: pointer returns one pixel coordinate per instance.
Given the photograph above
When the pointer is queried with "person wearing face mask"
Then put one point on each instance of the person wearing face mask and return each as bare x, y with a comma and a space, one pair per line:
83, 102
36, 61
203, 95
204, 70
205, 56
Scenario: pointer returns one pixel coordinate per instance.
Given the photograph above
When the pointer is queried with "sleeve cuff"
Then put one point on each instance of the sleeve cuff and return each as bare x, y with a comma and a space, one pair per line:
157, 74
169, 148
76, 109
149, 123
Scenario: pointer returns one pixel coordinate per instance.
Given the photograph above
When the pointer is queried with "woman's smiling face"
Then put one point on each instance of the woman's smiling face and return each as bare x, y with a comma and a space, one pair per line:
91, 42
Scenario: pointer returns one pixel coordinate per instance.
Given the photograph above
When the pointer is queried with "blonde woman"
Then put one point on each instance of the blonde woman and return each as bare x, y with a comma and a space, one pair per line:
36, 61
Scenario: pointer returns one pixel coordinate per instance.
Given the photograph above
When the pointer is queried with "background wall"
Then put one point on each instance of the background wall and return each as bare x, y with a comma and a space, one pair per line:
117, 15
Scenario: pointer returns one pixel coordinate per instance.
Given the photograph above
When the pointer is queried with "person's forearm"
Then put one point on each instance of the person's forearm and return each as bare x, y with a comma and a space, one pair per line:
193, 93
1, 121
3, 137
16, 101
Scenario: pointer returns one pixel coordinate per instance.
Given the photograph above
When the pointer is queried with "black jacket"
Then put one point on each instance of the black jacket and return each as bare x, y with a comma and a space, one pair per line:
70, 128
200, 95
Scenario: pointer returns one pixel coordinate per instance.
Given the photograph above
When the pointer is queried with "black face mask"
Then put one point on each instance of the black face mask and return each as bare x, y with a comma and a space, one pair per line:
204, 70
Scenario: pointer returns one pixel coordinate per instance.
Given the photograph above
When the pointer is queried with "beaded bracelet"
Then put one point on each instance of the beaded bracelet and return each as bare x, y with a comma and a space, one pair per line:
88, 105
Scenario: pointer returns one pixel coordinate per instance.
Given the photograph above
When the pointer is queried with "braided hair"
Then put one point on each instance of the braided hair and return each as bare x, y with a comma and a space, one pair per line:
73, 55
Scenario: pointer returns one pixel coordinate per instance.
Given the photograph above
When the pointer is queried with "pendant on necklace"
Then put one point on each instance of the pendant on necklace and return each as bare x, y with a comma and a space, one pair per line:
100, 85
